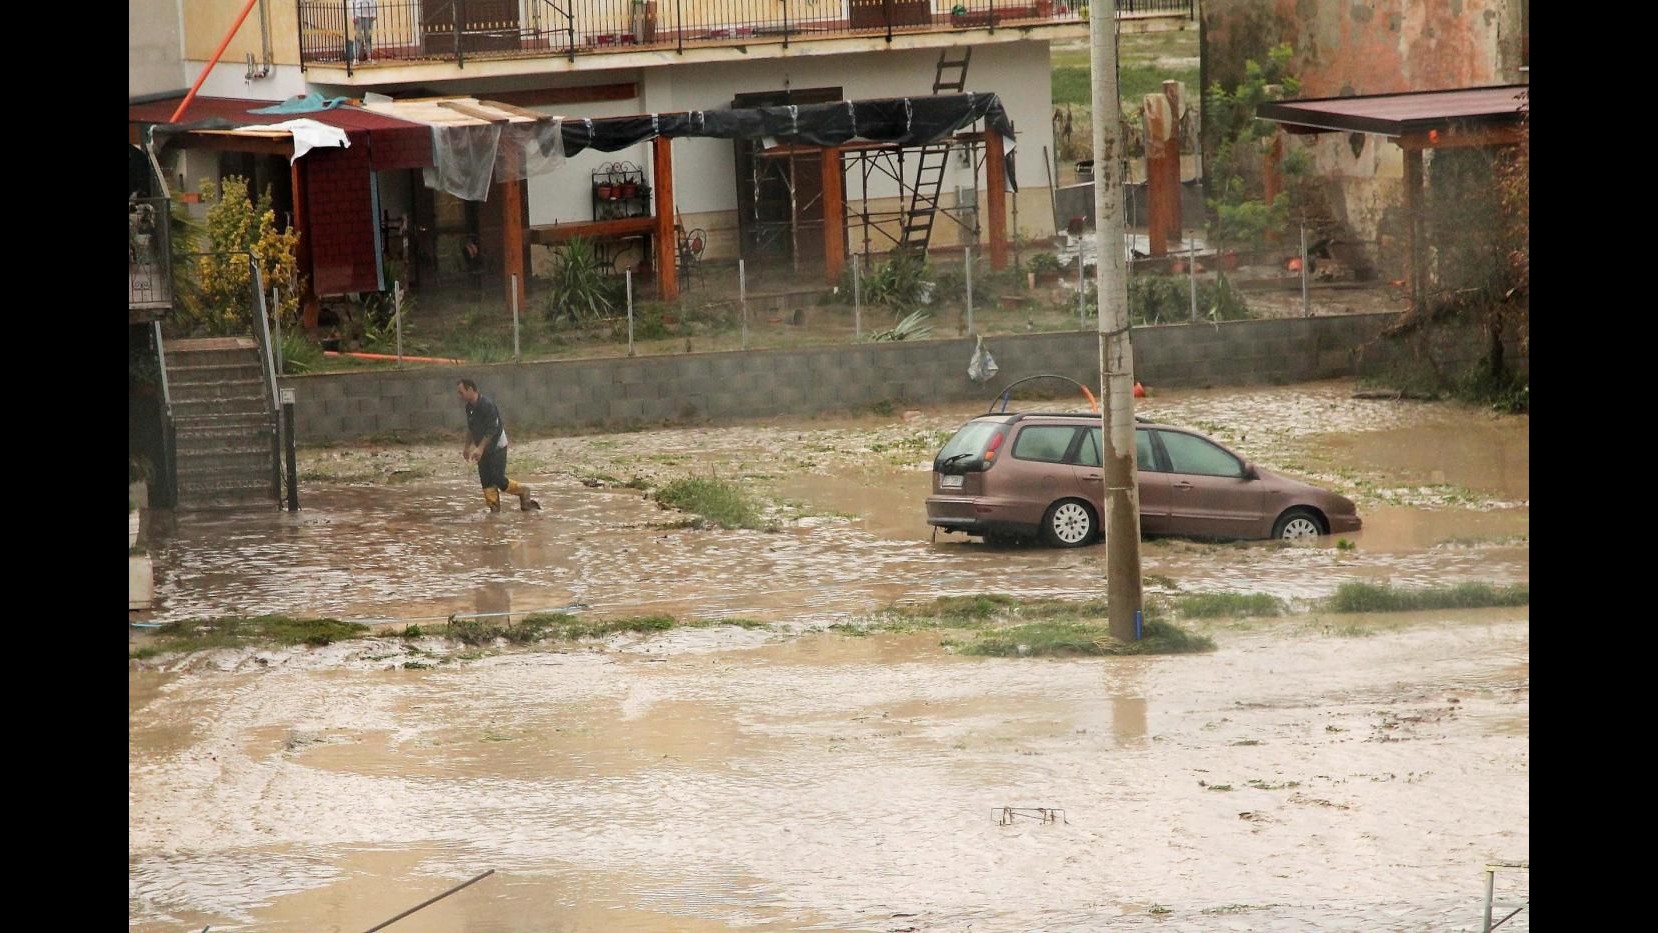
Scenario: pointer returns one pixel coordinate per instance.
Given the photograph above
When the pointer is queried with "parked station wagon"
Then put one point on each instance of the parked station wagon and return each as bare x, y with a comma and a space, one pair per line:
1019, 475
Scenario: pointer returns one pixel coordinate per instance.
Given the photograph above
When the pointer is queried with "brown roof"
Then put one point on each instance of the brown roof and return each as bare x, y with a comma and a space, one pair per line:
1398, 114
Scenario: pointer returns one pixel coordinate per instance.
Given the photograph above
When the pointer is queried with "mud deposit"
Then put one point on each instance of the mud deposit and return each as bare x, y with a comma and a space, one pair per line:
1315, 772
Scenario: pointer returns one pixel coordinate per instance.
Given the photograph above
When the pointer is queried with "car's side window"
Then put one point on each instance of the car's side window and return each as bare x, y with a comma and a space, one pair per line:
1145, 459
1046, 442
1088, 452
1194, 455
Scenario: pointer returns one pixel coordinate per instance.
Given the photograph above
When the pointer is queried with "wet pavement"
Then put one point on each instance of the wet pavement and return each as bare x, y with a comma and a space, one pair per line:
1313, 773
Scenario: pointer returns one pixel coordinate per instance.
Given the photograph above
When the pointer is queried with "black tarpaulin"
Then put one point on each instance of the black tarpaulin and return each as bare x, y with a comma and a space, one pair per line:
904, 121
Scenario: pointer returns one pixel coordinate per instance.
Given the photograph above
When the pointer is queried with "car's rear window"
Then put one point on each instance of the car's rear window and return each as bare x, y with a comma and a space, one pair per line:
970, 440
1046, 442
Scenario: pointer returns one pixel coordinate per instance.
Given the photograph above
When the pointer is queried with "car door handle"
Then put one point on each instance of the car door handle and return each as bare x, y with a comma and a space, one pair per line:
1094, 476
1183, 485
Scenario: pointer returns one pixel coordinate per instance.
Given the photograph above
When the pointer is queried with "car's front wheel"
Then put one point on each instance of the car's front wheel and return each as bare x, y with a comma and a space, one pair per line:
1297, 525
1069, 523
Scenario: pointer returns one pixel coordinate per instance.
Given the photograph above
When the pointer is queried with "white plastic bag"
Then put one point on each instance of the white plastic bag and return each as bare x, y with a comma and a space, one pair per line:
982, 368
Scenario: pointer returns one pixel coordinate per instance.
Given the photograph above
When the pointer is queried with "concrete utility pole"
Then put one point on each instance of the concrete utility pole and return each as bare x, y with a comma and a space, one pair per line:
1122, 496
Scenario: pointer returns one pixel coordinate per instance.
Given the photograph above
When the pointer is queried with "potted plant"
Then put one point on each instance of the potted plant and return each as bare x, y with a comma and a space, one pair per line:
1044, 267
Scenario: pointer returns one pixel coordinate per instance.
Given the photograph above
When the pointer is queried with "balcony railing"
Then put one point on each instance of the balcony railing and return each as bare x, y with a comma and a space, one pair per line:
365, 32
149, 255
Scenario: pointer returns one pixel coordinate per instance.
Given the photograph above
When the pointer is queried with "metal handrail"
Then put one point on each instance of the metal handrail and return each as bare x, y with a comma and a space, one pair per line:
326, 25
169, 428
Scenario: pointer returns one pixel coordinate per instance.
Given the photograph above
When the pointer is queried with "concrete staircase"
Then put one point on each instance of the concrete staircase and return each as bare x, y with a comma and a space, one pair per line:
225, 426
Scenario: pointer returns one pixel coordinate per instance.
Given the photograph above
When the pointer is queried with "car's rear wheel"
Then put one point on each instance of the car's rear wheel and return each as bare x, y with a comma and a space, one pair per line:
1069, 523
1297, 525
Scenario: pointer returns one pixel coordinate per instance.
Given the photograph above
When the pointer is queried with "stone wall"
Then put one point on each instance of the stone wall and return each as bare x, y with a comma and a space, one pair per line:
695, 387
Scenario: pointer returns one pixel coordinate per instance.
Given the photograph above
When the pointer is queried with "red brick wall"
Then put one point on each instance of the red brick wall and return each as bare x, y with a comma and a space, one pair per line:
339, 211
400, 149
340, 218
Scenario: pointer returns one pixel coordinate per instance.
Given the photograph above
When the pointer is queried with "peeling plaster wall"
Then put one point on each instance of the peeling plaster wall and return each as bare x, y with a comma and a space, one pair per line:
1382, 47
1346, 47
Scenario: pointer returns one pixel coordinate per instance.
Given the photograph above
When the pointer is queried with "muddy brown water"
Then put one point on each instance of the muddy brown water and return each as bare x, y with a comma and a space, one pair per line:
1316, 772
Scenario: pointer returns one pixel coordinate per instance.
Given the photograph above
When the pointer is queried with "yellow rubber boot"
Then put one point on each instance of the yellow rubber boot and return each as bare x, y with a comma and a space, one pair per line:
525, 503
493, 497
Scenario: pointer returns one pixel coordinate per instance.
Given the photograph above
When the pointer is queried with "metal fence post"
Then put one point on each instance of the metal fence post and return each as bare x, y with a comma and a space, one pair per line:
1306, 307
967, 261
857, 298
742, 297
1191, 267
627, 274
1082, 292
397, 315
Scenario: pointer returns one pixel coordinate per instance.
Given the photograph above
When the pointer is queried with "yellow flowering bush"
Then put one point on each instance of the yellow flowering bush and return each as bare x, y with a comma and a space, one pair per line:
223, 292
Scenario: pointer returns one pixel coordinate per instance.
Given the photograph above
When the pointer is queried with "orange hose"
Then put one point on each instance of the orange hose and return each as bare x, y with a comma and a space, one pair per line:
1092, 405
223, 44
392, 357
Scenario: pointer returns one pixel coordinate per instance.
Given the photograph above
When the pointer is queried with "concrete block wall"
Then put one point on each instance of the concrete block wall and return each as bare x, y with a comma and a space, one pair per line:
695, 387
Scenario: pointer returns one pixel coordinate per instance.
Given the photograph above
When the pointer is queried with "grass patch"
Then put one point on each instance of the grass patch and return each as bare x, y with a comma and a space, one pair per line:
961, 610
205, 634
558, 626
734, 623
1371, 597
715, 502
1069, 639
1228, 605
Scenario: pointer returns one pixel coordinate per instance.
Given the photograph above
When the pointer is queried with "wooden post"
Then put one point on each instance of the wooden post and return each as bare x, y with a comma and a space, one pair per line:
1416, 265
834, 216
514, 218
995, 170
1162, 128
1271, 178
667, 243
310, 308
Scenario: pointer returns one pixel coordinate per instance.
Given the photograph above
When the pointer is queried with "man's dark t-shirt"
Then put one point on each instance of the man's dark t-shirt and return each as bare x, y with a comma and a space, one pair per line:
483, 423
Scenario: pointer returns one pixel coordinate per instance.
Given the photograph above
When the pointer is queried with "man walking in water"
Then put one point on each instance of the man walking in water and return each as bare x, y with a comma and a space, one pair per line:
485, 443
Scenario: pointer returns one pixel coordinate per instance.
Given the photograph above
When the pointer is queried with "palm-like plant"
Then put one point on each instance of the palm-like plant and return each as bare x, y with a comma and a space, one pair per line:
580, 289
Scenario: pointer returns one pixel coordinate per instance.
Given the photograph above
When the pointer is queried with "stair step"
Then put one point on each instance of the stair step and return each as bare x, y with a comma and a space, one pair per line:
192, 454
220, 485
185, 395
237, 405
195, 358
216, 372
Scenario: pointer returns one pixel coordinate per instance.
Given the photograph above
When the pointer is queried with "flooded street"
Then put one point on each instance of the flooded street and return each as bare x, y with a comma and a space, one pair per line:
1314, 772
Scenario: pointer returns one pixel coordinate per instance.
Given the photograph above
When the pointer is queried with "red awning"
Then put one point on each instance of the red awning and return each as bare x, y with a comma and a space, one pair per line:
390, 142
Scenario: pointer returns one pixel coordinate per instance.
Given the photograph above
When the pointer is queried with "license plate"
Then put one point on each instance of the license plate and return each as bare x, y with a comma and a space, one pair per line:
951, 482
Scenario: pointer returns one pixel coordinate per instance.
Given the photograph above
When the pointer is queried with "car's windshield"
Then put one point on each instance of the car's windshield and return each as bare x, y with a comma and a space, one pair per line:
968, 443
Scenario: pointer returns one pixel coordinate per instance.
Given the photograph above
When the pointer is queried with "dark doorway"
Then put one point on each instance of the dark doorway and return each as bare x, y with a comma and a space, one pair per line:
263, 173
486, 26
876, 14
772, 221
